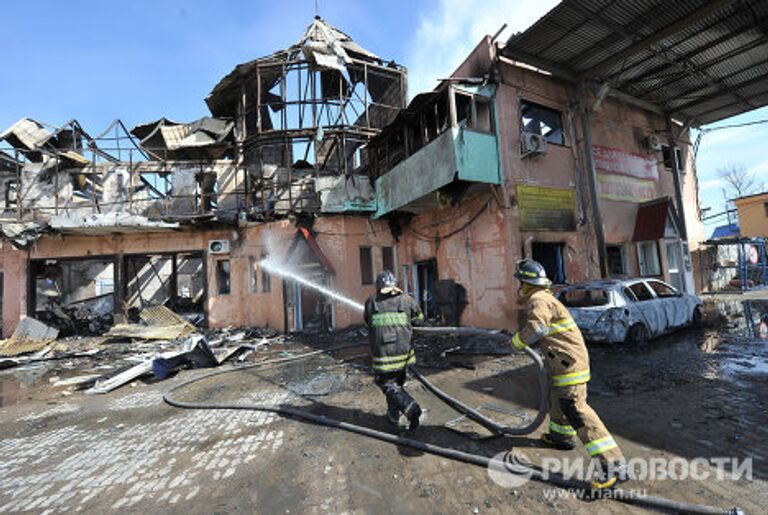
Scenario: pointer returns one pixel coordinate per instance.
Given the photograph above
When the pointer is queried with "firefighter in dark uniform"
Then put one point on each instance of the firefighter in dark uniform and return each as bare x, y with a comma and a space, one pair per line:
549, 324
389, 315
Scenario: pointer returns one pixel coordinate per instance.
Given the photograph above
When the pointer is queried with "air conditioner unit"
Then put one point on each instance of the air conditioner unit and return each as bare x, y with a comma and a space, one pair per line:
533, 144
653, 143
218, 246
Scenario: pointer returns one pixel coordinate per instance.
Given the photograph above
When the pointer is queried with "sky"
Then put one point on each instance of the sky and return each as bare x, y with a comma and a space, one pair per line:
140, 60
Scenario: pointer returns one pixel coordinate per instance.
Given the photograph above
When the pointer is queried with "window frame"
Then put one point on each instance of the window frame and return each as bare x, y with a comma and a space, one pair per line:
217, 270
266, 277
385, 249
642, 266
648, 290
623, 258
370, 280
563, 142
650, 283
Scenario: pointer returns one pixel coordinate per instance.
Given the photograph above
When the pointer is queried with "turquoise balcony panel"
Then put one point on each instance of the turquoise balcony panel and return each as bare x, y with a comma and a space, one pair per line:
457, 154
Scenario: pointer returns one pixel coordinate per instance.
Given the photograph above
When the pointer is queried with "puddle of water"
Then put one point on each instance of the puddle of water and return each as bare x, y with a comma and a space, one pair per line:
743, 341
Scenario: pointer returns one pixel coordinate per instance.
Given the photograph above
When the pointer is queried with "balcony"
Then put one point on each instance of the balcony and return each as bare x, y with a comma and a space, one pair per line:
458, 154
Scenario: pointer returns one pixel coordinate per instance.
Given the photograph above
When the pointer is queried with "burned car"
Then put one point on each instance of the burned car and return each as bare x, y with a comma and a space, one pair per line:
634, 310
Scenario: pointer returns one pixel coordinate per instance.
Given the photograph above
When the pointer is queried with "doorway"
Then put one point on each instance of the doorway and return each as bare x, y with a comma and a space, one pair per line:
425, 284
306, 309
551, 255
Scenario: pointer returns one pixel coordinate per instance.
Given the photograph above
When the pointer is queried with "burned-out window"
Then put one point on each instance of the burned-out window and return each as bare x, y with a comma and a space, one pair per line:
616, 262
463, 109
266, 279
366, 265
388, 259
483, 115
584, 298
542, 120
662, 290
765, 207
641, 292
223, 286
253, 275
473, 112
11, 193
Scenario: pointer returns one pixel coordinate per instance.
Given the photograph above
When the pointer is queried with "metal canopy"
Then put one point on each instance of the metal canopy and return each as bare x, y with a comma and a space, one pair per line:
698, 60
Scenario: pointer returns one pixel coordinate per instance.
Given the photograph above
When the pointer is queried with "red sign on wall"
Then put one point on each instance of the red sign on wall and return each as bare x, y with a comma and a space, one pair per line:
615, 161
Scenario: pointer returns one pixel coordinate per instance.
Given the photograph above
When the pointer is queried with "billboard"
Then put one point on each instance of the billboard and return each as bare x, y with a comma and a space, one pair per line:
625, 176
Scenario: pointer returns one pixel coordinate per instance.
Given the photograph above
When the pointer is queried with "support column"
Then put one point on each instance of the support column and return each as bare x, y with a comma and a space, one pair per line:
597, 217
687, 264
119, 289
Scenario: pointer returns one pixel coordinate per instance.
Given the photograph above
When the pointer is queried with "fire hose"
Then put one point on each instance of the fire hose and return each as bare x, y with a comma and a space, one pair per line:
647, 501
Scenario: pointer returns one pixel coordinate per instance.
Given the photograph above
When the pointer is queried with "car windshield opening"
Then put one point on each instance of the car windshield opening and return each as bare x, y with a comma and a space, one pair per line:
584, 298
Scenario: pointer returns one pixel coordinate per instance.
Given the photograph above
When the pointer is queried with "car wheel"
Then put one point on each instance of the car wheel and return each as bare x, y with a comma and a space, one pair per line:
697, 317
637, 334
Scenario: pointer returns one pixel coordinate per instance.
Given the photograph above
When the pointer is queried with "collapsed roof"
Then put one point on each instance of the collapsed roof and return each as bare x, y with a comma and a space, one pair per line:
321, 44
699, 60
206, 138
37, 141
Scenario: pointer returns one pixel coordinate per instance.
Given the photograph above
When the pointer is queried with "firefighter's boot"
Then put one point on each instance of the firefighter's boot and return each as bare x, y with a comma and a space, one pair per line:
558, 442
610, 475
413, 413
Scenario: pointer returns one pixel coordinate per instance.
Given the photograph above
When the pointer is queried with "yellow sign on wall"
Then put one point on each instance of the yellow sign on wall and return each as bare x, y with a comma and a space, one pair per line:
546, 209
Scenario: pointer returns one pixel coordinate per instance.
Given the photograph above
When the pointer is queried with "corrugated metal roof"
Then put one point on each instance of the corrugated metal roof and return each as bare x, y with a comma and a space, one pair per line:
700, 60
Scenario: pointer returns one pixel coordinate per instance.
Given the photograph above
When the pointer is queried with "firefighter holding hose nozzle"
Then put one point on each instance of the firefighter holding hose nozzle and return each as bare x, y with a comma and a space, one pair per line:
549, 324
389, 315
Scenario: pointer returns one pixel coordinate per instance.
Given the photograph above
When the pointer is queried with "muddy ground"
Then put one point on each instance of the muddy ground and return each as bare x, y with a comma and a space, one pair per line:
694, 394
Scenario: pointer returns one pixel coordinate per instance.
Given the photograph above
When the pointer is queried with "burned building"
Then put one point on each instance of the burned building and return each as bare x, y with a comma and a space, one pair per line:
544, 147
180, 213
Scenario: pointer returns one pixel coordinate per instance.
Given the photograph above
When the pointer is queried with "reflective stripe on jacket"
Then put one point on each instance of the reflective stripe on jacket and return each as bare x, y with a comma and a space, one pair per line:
549, 323
389, 319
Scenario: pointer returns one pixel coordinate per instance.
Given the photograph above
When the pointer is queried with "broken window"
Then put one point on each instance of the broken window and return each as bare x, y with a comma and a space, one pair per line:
641, 292
765, 207
483, 115
74, 295
473, 112
175, 280
388, 259
662, 290
11, 193
616, 260
253, 275
648, 257
584, 298
463, 109
366, 265
266, 280
222, 277
543, 121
